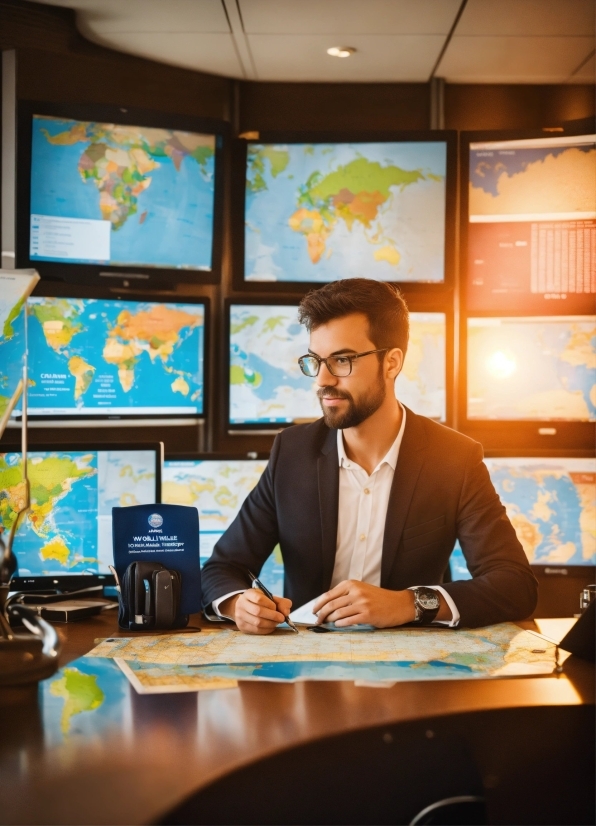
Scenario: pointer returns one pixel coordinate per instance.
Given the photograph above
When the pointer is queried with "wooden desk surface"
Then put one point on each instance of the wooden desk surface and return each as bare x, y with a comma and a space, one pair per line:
158, 749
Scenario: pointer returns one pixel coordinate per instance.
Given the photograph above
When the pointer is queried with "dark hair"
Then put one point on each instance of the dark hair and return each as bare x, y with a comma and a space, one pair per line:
383, 304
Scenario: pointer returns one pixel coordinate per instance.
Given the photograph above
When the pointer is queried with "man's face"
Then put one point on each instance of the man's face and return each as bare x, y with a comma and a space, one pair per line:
347, 401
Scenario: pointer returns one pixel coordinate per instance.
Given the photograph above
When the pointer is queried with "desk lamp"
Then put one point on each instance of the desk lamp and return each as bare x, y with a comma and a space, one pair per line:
24, 658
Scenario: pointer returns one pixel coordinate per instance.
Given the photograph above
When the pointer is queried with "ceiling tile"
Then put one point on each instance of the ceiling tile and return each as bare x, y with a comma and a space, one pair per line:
213, 53
512, 59
392, 58
338, 17
103, 16
527, 18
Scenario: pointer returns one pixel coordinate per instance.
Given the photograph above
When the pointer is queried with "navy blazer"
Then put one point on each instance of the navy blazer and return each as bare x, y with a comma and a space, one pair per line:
441, 492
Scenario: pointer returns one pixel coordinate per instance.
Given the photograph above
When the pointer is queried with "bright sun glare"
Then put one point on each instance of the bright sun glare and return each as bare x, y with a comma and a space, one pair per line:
501, 365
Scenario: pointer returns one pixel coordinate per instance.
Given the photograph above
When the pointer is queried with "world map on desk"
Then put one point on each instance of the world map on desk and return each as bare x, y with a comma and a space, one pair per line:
319, 212
381, 655
95, 356
267, 386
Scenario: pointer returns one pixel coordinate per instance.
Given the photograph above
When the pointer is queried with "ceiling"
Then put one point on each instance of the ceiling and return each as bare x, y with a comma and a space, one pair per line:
478, 41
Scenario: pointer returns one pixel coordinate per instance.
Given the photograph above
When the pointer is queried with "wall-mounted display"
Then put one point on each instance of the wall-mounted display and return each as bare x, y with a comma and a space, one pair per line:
136, 194
267, 386
97, 357
217, 486
531, 224
320, 210
65, 538
531, 368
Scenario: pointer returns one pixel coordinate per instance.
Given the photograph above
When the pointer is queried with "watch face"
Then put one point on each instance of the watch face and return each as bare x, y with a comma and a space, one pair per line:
429, 601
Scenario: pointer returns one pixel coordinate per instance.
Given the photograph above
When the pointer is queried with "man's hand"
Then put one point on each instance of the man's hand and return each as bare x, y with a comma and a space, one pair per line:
358, 603
254, 613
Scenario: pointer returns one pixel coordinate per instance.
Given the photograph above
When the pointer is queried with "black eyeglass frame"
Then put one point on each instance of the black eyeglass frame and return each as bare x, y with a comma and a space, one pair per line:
349, 356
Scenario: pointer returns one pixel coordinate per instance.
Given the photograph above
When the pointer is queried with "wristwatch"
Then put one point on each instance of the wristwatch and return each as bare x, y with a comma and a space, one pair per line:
426, 605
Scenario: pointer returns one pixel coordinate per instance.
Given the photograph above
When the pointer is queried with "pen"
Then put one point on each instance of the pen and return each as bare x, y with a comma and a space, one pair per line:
258, 584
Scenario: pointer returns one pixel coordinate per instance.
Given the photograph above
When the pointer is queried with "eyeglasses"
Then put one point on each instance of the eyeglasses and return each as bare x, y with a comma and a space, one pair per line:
338, 366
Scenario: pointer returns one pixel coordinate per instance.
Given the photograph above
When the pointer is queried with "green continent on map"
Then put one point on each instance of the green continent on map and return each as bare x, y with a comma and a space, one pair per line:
58, 319
80, 693
8, 329
118, 160
50, 480
351, 193
278, 160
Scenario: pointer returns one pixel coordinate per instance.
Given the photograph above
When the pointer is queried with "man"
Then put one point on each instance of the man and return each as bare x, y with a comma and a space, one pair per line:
368, 501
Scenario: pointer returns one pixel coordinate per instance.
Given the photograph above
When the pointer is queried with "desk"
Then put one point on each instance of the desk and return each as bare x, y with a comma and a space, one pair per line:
162, 748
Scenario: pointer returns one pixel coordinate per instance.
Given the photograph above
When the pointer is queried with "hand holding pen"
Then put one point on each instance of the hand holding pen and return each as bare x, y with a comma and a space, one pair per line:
256, 583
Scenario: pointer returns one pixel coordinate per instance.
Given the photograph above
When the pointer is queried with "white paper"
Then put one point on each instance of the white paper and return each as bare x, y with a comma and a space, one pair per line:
304, 614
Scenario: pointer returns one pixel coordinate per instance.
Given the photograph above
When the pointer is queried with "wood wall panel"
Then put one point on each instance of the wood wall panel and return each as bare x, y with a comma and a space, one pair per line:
334, 106
472, 107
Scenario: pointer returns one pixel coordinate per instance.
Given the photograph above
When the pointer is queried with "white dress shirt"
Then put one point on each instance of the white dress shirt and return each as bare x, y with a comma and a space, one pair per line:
362, 512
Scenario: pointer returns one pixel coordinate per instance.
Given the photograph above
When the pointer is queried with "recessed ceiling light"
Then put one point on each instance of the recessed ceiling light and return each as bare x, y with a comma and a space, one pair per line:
341, 51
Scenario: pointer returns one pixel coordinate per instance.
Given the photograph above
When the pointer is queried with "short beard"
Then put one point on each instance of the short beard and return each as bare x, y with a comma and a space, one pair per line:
357, 412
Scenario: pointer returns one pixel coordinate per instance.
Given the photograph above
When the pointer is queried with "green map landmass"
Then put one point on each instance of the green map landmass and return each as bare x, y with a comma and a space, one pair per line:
80, 693
50, 480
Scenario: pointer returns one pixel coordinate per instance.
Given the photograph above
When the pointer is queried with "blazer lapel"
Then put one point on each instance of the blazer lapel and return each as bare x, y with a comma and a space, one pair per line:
328, 473
409, 464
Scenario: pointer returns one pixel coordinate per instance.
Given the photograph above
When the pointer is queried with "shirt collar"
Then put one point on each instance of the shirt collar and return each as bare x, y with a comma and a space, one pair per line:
390, 457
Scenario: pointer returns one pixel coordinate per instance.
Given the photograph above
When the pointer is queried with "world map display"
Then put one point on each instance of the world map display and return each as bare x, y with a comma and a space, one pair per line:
96, 356
319, 212
217, 488
68, 528
267, 386
540, 368
14, 289
552, 506
520, 180
135, 195
381, 655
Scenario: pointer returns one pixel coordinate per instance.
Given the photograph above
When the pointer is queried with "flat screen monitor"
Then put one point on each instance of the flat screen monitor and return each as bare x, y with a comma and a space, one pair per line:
217, 486
64, 541
267, 386
531, 368
531, 224
551, 503
98, 358
119, 191
320, 210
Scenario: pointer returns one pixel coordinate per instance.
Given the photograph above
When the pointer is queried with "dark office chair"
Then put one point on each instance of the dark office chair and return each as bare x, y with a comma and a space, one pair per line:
406, 774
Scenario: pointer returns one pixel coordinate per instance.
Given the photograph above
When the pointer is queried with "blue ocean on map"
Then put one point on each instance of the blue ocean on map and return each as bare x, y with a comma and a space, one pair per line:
178, 205
53, 388
72, 520
412, 218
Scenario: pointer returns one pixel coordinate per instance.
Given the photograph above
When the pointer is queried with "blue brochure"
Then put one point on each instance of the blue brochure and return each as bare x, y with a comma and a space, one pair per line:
160, 533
